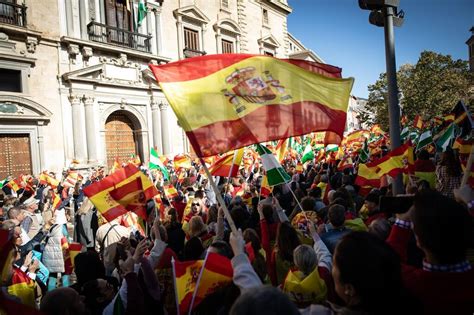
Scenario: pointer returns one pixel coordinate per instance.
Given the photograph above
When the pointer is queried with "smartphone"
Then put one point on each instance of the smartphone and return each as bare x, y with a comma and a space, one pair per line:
397, 204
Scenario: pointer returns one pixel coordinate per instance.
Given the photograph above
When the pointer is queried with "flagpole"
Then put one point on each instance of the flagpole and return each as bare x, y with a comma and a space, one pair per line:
175, 287
197, 282
219, 197
467, 171
230, 171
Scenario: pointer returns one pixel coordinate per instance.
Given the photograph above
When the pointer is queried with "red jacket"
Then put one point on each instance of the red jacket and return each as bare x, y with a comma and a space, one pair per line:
440, 292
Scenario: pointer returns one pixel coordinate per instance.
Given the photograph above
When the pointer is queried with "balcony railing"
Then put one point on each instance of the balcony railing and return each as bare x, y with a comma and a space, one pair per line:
14, 14
189, 53
113, 35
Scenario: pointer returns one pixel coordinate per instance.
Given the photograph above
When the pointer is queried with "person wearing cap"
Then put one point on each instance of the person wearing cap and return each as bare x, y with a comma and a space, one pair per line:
31, 224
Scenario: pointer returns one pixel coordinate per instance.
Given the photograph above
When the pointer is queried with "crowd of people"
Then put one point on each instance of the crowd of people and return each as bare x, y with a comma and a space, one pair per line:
316, 245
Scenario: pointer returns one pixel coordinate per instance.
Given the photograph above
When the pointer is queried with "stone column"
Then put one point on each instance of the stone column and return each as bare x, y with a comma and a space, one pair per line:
237, 44
102, 11
156, 122
77, 128
218, 41
91, 134
151, 31
84, 18
179, 27
158, 33
97, 11
164, 128
41, 145
69, 19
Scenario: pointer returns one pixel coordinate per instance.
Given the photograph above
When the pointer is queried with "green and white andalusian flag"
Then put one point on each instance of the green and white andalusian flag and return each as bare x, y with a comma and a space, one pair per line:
424, 140
445, 139
275, 173
141, 14
308, 154
364, 152
155, 163
405, 133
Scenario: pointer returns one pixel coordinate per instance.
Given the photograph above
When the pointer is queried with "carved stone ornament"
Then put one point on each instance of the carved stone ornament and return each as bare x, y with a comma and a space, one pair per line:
87, 52
121, 61
73, 51
31, 43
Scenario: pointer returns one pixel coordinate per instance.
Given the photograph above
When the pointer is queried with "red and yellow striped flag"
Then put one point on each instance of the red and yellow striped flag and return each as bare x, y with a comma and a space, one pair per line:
281, 149
265, 189
182, 161
72, 178
425, 170
14, 185
464, 146
228, 101
99, 192
418, 122
399, 160
22, 287
170, 191
228, 162
299, 167
217, 273
46, 179
56, 201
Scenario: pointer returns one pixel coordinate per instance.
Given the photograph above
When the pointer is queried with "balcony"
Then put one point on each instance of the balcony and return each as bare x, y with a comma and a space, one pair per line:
189, 53
115, 36
13, 14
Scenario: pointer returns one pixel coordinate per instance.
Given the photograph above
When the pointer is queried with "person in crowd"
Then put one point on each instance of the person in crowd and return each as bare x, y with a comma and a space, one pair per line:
445, 264
380, 227
448, 174
335, 230
372, 204
176, 235
32, 223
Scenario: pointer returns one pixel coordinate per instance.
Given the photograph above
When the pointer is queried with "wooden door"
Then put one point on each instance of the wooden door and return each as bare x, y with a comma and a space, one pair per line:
120, 139
15, 155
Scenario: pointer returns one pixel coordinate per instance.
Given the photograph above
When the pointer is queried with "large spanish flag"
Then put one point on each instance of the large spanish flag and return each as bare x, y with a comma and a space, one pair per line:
217, 272
228, 101
99, 193
397, 161
228, 165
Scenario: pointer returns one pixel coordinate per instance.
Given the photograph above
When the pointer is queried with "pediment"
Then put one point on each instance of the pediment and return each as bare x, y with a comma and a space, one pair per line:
193, 13
111, 74
269, 40
228, 25
21, 108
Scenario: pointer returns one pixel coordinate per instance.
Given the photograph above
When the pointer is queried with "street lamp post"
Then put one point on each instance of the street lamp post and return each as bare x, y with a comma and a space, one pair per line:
384, 14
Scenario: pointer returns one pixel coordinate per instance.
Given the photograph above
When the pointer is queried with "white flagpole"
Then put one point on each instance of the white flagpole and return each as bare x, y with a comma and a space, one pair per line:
175, 287
197, 282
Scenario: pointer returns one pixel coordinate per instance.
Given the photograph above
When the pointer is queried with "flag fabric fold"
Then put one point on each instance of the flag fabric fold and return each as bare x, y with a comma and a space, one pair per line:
228, 165
399, 160
275, 173
254, 99
217, 272
155, 163
101, 193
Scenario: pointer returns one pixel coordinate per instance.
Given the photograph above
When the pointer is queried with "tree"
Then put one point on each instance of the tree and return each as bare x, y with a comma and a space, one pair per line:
430, 88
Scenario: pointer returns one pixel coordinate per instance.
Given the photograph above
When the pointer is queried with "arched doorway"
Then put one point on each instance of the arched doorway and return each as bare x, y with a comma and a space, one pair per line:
121, 139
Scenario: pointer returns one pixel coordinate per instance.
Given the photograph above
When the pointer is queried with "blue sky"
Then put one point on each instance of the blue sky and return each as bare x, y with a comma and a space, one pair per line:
340, 33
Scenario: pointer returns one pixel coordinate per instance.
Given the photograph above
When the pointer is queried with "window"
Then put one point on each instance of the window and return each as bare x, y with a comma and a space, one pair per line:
265, 16
10, 80
227, 47
268, 53
118, 14
225, 4
191, 39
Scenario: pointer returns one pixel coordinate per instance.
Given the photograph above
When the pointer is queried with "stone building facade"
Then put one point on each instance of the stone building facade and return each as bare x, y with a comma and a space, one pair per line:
82, 89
